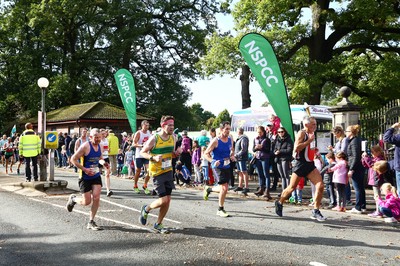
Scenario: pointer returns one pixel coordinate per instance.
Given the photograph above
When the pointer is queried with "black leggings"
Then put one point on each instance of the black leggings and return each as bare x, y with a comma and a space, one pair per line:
341, 190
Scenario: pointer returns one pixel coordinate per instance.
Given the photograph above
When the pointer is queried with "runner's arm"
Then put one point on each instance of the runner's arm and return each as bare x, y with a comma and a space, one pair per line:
136, 138
210, 148
78, 154
148, 146
300, 144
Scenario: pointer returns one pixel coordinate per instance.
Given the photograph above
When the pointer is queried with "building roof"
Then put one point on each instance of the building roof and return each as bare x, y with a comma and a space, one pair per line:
92, 111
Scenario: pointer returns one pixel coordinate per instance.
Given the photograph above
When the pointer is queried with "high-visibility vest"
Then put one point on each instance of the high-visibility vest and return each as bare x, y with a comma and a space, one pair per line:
113, 144
29, 144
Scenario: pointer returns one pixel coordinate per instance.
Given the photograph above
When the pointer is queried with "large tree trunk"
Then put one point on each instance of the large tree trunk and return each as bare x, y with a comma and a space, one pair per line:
245, 81
317, 49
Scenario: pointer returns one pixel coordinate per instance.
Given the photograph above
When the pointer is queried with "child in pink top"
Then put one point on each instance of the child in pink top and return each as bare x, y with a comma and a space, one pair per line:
340, 180
374, 179
276, 123
390, 206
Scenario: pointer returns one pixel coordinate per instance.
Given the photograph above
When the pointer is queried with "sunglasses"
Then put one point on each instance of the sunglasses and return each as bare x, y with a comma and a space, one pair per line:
281, 131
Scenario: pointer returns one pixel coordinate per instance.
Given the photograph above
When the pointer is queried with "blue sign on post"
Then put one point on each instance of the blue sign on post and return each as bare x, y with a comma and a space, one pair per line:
51, 140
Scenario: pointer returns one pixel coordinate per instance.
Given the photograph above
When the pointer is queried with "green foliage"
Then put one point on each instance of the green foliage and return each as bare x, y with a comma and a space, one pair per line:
198, 117
79, 45
222, 117
321, 46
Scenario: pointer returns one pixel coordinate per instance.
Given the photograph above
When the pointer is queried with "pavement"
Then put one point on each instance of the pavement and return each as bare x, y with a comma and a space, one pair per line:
17, 184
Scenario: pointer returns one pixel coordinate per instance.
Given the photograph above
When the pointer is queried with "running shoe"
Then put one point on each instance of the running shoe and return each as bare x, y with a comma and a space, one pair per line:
222, 213
206, 193
143, 215
146, 191
71, 203
161, 229
375, 214
110, 193
136, 190
278, 208
238, 189
245, 191
355, 211
92, 225
390, 220
316, 215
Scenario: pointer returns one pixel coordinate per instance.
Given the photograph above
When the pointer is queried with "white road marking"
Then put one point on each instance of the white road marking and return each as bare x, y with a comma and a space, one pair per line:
97, 216
136, 210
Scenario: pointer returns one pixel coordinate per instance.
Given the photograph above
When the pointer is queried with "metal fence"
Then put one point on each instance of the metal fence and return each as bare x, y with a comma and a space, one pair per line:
374, 123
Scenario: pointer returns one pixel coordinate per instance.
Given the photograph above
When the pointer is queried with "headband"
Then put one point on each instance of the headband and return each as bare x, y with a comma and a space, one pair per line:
167, 122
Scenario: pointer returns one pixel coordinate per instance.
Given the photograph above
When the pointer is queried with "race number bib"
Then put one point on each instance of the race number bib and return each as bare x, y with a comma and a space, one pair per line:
94, 169
312, 145
226, 161
166, 163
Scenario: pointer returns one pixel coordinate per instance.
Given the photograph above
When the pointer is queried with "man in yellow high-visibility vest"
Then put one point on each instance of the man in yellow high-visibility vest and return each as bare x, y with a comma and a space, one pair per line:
29, 148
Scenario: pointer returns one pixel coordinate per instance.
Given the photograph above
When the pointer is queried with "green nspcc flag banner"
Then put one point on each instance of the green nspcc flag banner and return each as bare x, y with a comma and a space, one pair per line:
260, 57
126, 88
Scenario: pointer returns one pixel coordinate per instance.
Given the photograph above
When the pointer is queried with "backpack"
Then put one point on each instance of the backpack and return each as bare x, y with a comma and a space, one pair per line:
185, 144
185, 172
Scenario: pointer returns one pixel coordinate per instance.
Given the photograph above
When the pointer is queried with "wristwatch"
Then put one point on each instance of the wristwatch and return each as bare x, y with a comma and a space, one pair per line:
151, 158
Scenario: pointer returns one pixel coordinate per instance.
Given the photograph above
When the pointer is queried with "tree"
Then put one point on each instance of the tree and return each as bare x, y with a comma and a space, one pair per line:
322, 45
222, 117
198, 117
79, 45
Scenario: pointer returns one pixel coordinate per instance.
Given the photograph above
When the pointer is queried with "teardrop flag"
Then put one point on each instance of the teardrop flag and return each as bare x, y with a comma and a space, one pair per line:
260, 57
126, 88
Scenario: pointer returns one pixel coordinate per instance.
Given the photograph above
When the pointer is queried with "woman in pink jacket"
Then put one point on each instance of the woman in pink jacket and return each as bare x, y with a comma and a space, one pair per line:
390, 207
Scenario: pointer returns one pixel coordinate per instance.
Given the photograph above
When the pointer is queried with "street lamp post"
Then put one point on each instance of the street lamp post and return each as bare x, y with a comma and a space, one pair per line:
43, 83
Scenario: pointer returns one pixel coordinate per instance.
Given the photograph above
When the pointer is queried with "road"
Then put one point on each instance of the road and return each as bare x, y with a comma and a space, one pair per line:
36, 229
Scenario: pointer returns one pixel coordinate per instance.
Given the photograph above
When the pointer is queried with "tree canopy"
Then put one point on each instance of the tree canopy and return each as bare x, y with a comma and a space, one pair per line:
79, 45
321, 45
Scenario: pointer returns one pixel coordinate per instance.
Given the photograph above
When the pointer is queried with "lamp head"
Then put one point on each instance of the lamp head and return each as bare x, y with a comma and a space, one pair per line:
43, 82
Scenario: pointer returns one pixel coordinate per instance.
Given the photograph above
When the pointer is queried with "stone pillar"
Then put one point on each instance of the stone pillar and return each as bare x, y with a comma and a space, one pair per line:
345, 113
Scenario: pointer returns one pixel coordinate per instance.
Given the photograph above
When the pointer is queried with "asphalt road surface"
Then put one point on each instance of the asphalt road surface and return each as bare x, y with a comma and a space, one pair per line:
36, 229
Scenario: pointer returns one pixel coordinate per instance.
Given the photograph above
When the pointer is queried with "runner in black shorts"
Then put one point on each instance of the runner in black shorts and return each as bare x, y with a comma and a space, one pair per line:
159, 150
89, 177
303, 166
220, 153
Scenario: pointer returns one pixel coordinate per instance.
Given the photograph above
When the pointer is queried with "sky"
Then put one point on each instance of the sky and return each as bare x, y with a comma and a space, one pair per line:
218, 93
221, 93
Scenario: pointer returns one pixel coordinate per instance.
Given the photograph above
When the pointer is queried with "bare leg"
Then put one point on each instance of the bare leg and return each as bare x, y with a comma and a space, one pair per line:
136, 177
240, 179
96, 200
246, 179
223, 189
162, 203
108, 185
147, 178
294, 181
316, 179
